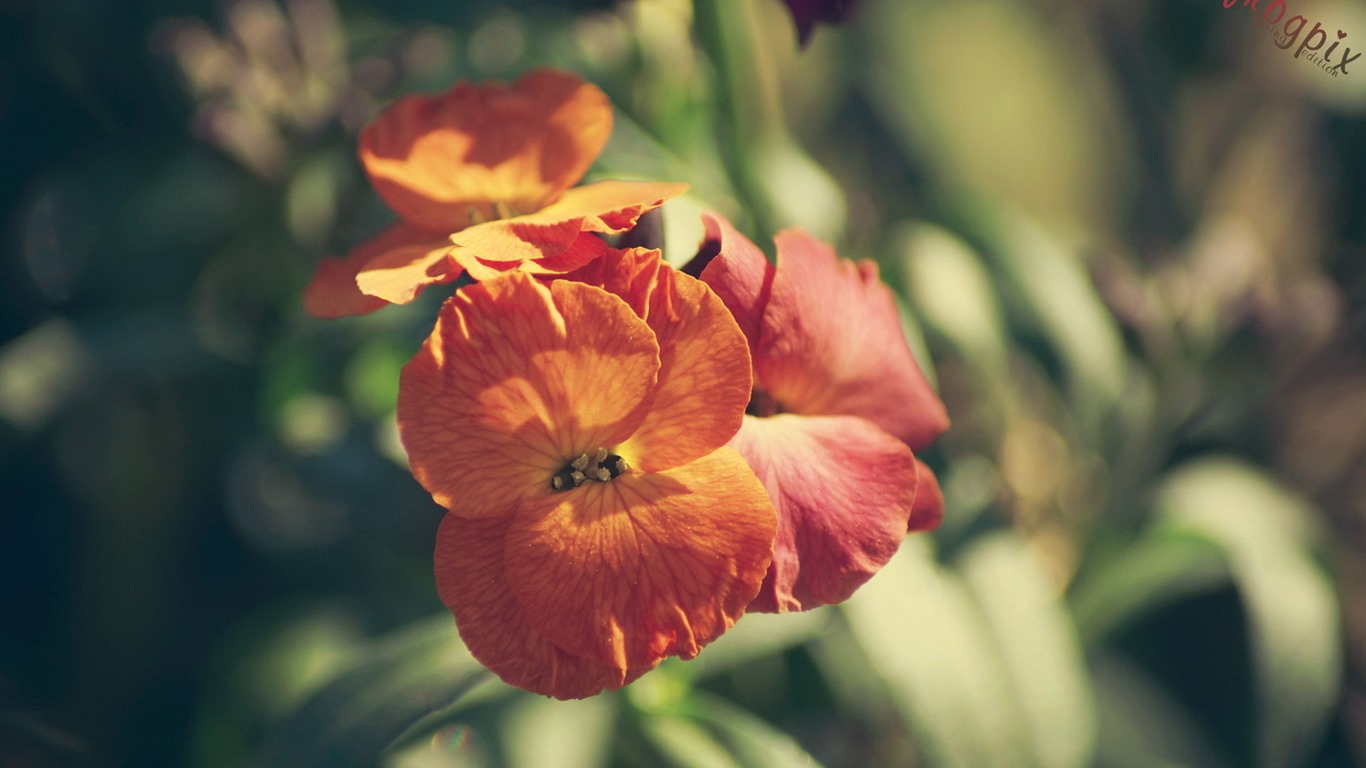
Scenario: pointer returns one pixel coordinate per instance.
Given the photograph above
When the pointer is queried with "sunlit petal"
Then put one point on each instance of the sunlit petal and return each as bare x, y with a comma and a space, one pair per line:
585, 248
515, 377
843, 489
647, 565
472, 582
608, 207
403, 259
438, 159
704, 372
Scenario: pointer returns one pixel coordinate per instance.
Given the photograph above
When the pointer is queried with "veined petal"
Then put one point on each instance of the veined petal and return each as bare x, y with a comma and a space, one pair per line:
516, 379
414, 256
608, 207
704, 366
472, 581
585, 248
928, 511
831, 343
737, 271
436, 159
843, 490
397, 276
645, 566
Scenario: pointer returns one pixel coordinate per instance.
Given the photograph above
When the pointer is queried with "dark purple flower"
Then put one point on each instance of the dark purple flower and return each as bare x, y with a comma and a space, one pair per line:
807, 12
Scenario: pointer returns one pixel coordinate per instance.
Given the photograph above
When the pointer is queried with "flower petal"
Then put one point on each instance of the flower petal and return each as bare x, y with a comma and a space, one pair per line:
472, 581
418, 254
704, 367
585, 248
647, 565
928, 511
831, 343
397, 276
609, 207
737, 271
436, 159
843, 489
516, 379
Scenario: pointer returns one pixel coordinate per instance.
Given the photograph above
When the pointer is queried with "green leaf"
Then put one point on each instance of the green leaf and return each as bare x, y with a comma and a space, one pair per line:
953, 292
991, 96
544, 733
1141, 726
759, 635
1044, 664
1266, 536
754, 743
1160, 568
398, 681
920, 628
684, 743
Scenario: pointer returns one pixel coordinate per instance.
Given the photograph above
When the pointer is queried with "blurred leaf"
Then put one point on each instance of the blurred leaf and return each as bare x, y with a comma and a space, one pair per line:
994, 97
1141, 726
1265, 534
1158, 569
1043, 660
372, 376
954, 293
544, 733
400, 680
919, 627
755, 743
758, 635
684, 743
1050, 285
40, 371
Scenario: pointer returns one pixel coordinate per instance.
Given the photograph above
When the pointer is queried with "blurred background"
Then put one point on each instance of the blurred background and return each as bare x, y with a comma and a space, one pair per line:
1131, 243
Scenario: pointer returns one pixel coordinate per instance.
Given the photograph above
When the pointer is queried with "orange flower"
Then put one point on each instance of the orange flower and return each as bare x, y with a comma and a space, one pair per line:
838, 404
481, 179
576, 433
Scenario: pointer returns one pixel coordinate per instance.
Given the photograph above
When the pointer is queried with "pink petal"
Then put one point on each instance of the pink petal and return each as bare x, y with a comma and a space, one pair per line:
831, 343
737, 271
928, 511
844, 490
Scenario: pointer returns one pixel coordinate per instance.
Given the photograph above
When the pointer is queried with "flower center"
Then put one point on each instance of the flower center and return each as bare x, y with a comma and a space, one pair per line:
501, 210
602, 466
763, 405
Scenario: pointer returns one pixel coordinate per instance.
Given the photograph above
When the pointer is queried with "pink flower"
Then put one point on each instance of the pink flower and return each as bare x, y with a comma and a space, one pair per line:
839, 403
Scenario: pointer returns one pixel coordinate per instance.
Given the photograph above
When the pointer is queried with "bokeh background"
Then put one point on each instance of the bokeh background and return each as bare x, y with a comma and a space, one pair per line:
1131, 243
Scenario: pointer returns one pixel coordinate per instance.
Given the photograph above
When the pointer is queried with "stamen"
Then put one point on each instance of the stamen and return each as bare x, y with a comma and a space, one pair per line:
602, 466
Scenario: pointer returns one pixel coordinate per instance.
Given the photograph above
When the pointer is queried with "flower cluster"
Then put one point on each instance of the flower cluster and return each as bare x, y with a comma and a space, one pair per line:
630, 456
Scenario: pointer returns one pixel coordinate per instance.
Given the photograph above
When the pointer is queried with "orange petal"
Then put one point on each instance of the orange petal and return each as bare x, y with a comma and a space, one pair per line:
736, 269
843, 490
609, 207
516, 379
704, 367
644, 566
585, 248
832, 343
399, 275
928, 511
436, 159
472, 582
333, 291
